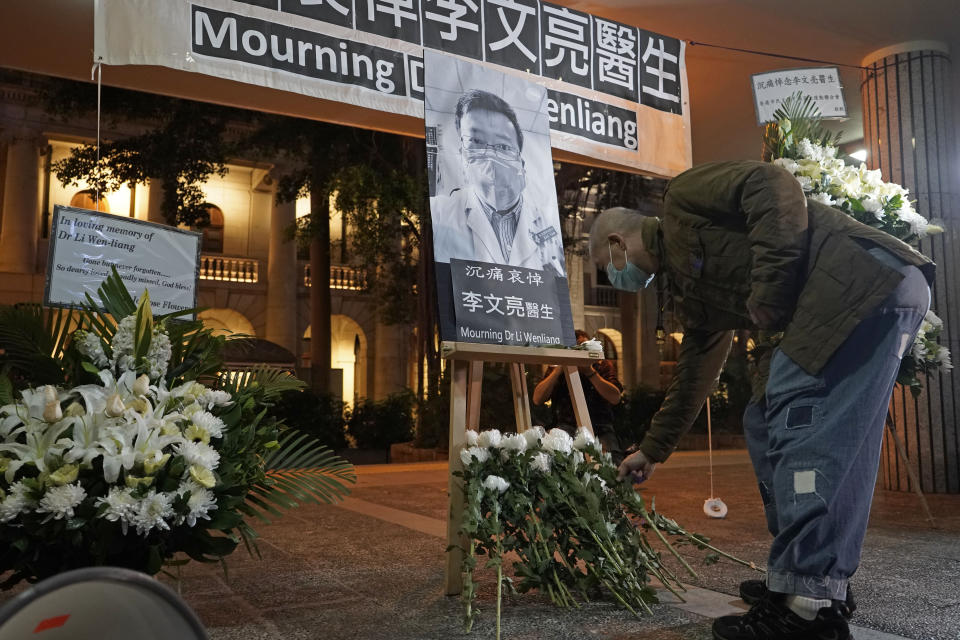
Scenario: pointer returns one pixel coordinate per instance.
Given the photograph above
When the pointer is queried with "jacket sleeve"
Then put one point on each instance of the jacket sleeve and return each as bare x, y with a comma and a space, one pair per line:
775, 209
702, 354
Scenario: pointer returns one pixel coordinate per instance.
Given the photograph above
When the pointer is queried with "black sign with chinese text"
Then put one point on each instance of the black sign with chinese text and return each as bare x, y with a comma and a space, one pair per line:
398, 19
502, 304
660, 86
566, 44
511, 35
453, 26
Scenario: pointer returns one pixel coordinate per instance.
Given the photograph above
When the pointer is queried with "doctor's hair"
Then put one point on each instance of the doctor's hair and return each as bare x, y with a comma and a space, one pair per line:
626, 222
479, 99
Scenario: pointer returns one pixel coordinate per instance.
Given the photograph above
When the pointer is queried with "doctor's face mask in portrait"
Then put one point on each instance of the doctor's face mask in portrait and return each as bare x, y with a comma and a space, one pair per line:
630, 278
495, 171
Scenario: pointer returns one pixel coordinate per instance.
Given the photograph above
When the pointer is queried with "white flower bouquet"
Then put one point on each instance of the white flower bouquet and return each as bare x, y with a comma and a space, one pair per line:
554, 503
797, 142
122, 456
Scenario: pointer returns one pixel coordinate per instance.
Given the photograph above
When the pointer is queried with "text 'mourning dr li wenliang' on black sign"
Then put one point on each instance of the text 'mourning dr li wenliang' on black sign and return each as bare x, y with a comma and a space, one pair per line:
555, 42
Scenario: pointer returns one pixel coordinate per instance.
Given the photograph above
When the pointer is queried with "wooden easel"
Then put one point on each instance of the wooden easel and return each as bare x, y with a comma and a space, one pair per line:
466, 360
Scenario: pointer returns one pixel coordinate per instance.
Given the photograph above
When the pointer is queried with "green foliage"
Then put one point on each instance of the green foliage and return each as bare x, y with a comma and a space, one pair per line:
319, 414
378, 424
34, 345
797, 118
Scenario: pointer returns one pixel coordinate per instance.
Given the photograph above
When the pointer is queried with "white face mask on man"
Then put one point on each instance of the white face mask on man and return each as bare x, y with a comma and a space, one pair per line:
497, 181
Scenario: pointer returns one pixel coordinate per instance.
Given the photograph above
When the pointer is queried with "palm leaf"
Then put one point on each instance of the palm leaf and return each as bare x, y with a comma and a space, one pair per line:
34, 340
300, 470
270, 381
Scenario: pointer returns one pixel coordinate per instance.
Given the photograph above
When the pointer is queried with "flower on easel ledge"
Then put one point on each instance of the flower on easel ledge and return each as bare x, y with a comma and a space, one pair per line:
128, 445
799, 143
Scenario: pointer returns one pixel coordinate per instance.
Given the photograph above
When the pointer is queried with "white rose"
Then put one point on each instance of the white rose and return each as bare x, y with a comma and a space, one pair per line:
541, 462
489, 438
558, 441
533, 436
479, 453
514, 442
495, 483
584, 438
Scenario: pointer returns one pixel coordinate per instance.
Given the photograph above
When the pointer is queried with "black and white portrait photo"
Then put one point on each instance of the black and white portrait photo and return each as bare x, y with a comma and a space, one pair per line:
493, 198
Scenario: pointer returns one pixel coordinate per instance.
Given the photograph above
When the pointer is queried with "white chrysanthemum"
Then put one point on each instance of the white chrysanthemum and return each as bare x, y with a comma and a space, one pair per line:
153, 512
806, 183
471, 438
558, 441
943, 359
919, 350
489, 438
18, 500
496, 483
534, 435
479, 453
214, 398
121, 505
584, 439
874, 206
810, 150
89, 345
592, 345
822, 198
541, 462
787, 163
201, 502
578, 457
60, 502
200, 454
211, 423
159, 354
514, 442
933, 319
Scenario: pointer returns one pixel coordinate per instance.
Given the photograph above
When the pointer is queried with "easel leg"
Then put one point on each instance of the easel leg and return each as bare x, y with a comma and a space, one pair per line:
580, 411
458, 425
521, 401
914, 478
474, 388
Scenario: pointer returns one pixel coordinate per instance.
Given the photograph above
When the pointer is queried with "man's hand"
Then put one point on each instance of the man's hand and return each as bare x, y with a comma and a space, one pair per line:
637, 467
765, 317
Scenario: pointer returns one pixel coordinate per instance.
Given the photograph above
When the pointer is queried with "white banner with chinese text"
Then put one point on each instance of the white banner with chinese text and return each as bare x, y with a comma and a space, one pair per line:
617, 93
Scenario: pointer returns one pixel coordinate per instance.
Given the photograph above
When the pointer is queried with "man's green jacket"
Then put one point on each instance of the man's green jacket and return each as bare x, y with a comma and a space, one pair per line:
734, 233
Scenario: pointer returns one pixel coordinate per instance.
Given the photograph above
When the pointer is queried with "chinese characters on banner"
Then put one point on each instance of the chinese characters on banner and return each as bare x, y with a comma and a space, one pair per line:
821, 84
370, 53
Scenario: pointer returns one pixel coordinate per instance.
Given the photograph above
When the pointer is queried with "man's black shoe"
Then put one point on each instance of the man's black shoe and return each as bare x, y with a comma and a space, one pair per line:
753, 591
770, 619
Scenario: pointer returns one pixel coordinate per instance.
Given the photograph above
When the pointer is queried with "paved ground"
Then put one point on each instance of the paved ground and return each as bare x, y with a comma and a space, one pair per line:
372, 568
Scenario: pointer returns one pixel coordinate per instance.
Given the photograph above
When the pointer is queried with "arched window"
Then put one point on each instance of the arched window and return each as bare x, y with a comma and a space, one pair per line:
213, 232
87, 199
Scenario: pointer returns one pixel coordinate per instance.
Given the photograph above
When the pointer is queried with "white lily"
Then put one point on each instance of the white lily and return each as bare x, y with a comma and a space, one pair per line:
41, 447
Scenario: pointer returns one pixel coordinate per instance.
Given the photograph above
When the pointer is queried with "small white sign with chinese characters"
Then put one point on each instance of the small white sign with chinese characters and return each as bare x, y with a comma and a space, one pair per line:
822, 84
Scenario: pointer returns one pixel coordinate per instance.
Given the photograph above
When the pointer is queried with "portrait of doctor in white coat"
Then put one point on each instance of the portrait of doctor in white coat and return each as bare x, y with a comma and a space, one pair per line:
491, 217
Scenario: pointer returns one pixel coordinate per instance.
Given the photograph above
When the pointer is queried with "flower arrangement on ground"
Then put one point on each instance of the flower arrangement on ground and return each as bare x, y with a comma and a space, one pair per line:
577, 532
122, 444
799, 143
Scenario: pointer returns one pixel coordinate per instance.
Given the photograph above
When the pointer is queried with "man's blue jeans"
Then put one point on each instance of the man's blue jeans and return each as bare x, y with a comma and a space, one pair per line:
815, 444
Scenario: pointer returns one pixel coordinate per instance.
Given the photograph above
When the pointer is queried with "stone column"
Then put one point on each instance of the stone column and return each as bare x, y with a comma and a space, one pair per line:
909, 129
21, 208
155, 201
282, 278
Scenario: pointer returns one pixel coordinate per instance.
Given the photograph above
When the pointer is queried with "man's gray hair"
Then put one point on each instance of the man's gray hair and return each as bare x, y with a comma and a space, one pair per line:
626, 222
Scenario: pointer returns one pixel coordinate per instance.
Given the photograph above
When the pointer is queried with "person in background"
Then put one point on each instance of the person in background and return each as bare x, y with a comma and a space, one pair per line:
602, 390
